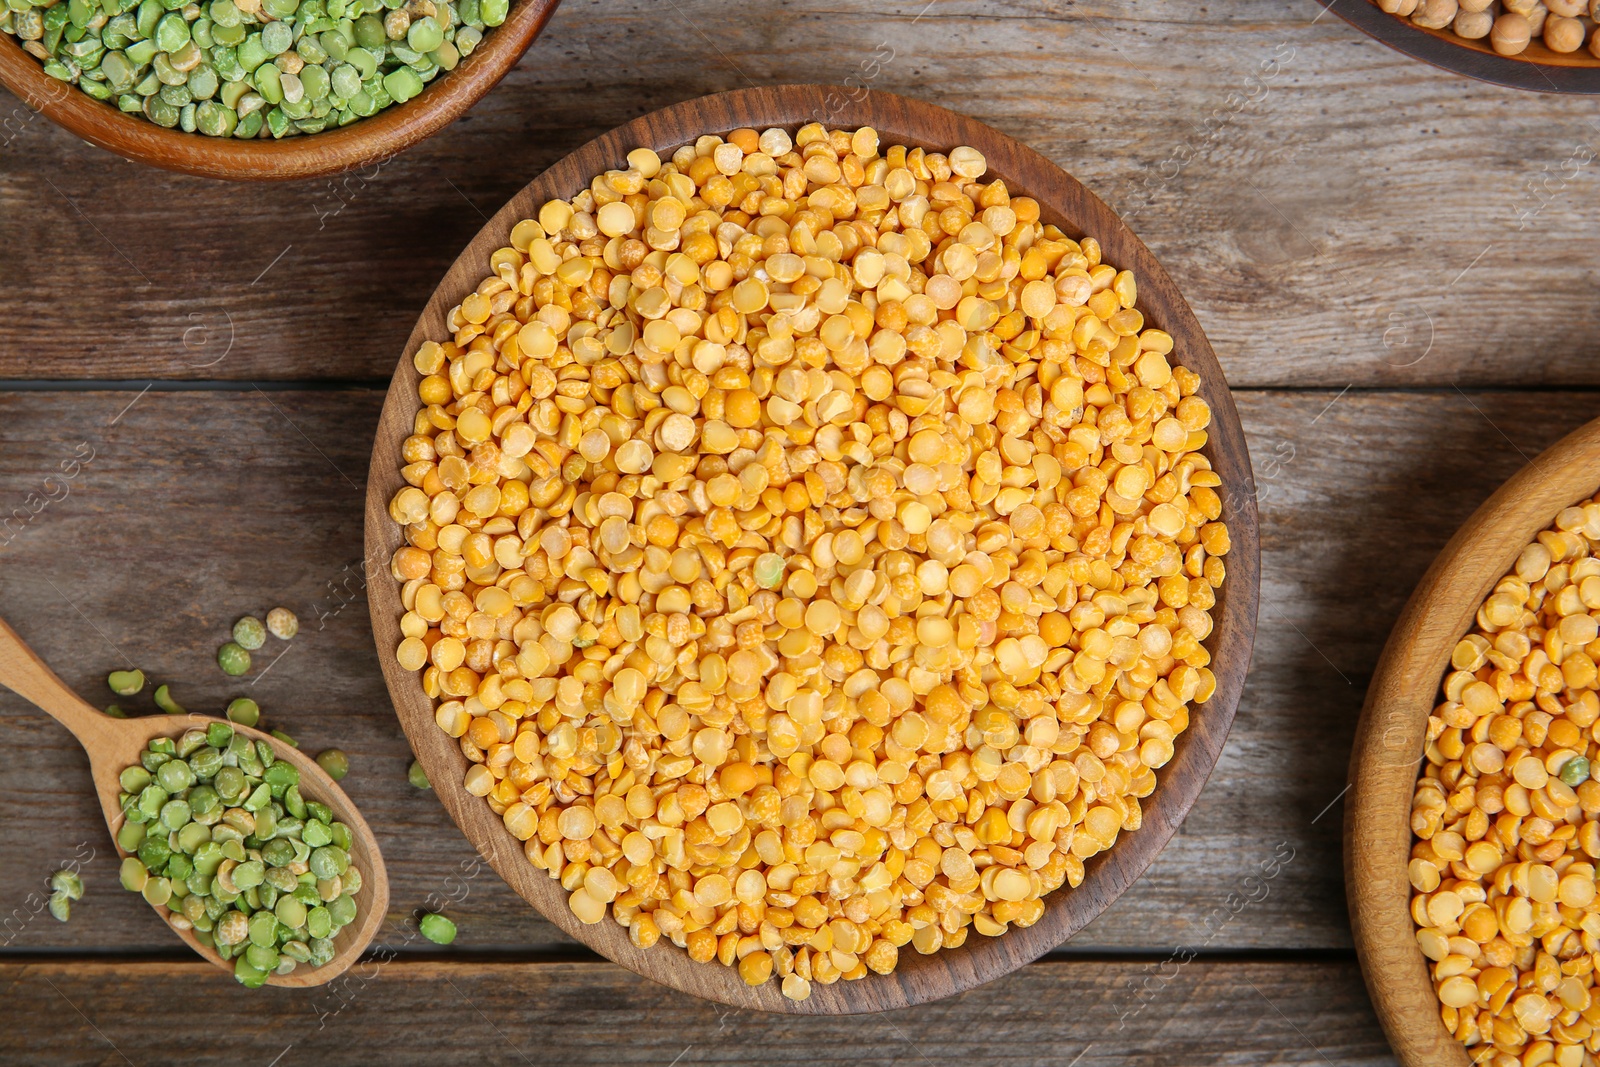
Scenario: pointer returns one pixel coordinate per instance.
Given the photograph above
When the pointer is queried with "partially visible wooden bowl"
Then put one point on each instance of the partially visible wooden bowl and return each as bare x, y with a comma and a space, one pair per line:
1538, 68
1390, 738
366, 143
1065, 203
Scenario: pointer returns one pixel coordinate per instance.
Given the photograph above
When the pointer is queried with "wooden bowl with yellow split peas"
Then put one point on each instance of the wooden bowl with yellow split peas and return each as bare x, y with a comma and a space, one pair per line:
1447, 924
746, 770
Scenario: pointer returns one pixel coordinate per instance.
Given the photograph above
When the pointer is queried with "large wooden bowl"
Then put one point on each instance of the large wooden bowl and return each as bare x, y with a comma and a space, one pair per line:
1538, 68
1064, 202
364, 143
1394, 723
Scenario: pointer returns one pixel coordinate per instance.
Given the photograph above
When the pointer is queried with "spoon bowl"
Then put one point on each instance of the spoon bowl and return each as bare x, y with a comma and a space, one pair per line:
115, 744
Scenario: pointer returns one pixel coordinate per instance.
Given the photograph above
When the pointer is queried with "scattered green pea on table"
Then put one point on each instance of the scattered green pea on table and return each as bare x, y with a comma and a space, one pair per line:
164, 701
437, 928
65, 887
68, 883
249, 633
244, 711
125, 683
417, 776
233, 659
335, 762
251, 68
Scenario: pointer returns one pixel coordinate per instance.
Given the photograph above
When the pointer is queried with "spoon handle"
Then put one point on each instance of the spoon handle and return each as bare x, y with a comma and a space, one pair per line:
26, 675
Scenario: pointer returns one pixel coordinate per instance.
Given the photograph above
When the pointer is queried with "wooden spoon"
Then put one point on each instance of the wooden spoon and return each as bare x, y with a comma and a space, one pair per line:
115, 744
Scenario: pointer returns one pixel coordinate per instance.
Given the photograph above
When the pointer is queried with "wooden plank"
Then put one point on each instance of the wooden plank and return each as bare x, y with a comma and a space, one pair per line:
1083, 1013
198, 507
1333, 210
181, 522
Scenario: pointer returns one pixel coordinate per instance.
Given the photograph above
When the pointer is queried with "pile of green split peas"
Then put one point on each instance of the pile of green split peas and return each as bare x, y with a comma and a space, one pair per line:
219, 834
250, 68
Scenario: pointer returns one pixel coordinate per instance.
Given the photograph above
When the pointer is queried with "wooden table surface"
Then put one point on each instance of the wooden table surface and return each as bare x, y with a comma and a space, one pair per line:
1396, 267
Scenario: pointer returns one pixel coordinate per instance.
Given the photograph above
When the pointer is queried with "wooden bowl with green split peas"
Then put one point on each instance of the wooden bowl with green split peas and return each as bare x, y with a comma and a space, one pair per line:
362, 145
1065, 203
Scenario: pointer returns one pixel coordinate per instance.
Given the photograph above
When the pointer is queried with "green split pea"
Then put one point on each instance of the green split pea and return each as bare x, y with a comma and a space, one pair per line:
250, 68
125, 683
164, 701
65, 887
233, 659
437, 928
249, 633
219, 834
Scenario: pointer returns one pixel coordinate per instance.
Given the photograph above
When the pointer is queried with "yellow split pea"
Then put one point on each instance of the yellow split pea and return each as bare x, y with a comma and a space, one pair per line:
1507, 813
811, 549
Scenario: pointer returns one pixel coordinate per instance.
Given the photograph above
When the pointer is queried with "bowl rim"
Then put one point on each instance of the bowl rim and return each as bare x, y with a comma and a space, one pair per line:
1468, 58
901, 120
370, 142
1389, 738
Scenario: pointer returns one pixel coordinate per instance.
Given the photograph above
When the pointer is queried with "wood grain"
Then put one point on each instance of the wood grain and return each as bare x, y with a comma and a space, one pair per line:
200, 507
1389, 740
1335, 212
116, 744
1052, 1014
362, 144
1063, 202
186, 512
